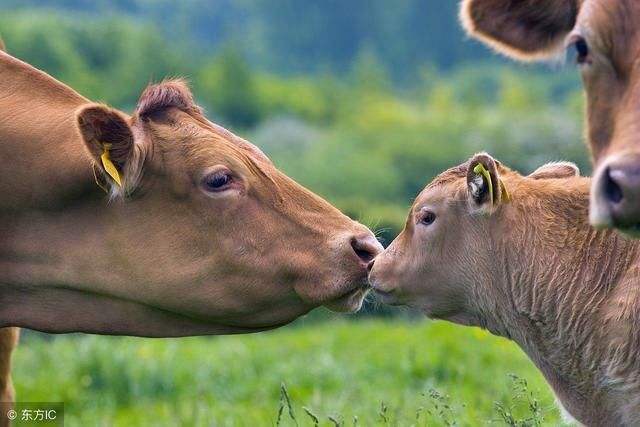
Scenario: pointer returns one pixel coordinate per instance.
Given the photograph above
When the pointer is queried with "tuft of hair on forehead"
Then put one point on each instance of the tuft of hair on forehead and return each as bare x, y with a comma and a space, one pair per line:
173, 93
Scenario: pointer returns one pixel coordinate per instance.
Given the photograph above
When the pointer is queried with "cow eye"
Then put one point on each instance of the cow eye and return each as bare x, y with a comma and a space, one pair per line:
217, 181
427, 217
582, 50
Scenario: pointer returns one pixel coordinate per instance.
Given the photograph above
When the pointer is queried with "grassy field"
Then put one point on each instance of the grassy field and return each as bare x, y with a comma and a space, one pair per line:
365, 372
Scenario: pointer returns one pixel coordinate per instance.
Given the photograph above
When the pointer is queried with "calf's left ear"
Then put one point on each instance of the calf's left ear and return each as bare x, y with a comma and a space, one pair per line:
485, 187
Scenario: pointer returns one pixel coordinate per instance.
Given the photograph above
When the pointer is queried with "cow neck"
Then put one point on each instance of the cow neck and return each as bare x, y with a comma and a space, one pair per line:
45, 162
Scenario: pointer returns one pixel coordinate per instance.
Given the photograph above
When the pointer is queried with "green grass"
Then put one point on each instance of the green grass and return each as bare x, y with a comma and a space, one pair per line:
378, 372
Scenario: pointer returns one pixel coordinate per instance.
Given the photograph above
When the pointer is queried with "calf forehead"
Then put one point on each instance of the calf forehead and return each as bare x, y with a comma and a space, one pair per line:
615, 26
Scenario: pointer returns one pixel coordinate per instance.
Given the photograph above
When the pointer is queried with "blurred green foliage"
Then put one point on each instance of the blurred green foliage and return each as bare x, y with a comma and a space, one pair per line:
294, 36
359, 138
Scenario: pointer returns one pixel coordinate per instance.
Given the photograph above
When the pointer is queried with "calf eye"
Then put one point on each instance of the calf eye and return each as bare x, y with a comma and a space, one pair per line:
427, 218
582, 51
217, 181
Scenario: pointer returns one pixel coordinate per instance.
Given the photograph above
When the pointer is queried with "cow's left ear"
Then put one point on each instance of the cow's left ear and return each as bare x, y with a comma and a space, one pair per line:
484, 185
109, 139
556, 170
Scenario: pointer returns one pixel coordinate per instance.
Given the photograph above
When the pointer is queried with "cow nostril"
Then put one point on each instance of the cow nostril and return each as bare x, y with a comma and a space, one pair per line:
365, 249
612, 189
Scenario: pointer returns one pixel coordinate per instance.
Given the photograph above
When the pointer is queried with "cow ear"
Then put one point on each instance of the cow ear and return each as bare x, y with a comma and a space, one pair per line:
109, 139
556, 170
484, 185
522, 29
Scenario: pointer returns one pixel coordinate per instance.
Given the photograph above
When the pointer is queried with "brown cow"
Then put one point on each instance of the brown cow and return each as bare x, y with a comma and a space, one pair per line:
485, 246
605, 34
202, 235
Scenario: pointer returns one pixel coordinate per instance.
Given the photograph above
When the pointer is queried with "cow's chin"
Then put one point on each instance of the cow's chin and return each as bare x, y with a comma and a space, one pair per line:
349, 302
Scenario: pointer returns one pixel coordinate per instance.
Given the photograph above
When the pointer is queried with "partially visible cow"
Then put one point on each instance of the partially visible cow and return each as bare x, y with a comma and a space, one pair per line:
485, 246
605, 35
8, 340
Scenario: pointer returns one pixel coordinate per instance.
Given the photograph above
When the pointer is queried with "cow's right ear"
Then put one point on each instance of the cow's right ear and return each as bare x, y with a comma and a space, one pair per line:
109, 139
522, 29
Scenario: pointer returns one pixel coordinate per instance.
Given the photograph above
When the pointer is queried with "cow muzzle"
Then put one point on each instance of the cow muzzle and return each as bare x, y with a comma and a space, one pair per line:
615, 195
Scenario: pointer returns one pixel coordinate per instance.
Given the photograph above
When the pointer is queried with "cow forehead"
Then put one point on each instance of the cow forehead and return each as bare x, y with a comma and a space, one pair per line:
614, 26
451, 185
441, 190
201, 139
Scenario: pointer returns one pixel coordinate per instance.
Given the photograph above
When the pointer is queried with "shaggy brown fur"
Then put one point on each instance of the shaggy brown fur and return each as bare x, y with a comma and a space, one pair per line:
534, 271
170, 93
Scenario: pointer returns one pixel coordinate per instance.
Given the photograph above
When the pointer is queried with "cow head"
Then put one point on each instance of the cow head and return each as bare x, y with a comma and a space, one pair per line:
206, 224
605, 35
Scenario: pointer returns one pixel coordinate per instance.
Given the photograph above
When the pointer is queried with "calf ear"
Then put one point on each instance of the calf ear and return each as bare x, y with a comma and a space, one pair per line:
522, 29
556, 170
109, 139
486, 189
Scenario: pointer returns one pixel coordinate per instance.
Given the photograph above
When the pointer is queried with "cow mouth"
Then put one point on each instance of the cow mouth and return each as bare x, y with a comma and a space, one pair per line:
351, 300
386, 297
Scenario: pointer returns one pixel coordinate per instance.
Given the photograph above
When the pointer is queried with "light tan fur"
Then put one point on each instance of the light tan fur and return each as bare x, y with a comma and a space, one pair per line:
532, 270
539, 29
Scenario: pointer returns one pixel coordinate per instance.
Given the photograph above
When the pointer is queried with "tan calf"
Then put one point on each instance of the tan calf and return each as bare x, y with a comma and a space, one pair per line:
486, 246
605, 36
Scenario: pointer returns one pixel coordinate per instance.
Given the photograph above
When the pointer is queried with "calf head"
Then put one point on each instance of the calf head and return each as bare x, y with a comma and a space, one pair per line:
457, 223
605, 35
209, 227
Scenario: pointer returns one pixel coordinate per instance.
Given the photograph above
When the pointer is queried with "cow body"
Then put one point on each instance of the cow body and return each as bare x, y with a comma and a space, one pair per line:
527, 266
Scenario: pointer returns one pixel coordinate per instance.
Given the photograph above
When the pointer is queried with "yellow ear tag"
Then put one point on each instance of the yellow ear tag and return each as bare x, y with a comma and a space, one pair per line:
480, 169
108, 165
506, 197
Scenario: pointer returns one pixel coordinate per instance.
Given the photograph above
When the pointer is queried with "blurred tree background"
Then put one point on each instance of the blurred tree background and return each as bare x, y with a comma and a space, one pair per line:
362, 101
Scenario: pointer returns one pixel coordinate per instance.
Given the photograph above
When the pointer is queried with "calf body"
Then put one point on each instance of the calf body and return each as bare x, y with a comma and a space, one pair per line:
485, 246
